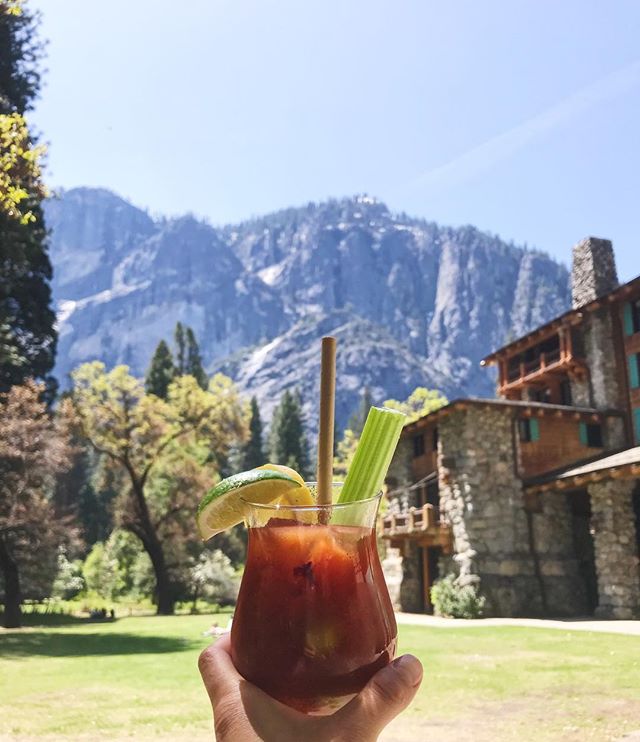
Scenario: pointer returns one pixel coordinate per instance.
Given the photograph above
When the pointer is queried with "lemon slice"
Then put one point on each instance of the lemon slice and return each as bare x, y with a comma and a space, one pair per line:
293, 497
224, 505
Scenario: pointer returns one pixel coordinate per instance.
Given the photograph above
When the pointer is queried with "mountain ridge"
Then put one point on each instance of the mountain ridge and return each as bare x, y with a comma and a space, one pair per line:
441, 297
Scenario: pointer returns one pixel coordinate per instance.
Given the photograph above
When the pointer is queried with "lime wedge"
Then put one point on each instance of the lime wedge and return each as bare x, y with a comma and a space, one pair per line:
224, 505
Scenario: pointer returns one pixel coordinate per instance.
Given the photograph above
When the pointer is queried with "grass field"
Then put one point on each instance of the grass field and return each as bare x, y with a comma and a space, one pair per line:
136, 678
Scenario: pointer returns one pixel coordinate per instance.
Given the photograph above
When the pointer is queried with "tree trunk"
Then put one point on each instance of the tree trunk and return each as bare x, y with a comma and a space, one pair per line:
163, 583
146, 532
12, 597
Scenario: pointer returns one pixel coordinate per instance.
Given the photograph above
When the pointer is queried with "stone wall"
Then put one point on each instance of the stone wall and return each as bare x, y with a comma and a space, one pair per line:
580, 392
392, 570
602, 360
616, 549
411, 597
402, 566
481, 496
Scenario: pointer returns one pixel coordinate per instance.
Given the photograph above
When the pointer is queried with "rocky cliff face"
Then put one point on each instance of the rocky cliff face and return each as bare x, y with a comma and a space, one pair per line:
411, 302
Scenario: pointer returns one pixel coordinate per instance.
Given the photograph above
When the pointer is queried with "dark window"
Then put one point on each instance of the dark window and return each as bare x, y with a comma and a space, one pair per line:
435, 439
418, 445
540, 394
433, 496
636, 425
529, 430
591, 435
565, 392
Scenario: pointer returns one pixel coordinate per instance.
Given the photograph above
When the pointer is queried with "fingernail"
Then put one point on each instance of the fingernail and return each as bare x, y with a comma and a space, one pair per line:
410, 669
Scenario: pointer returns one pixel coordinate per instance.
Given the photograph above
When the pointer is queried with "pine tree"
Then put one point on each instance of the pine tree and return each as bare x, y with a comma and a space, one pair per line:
252, 451
288, 441
181, 358
161, 371
28, 337
194, 360
359, 417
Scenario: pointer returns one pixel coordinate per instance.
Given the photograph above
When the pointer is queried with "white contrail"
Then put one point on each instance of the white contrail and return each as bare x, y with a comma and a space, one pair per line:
485, 155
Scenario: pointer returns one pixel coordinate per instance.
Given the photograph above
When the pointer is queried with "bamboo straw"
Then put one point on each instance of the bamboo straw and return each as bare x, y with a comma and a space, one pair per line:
327, 411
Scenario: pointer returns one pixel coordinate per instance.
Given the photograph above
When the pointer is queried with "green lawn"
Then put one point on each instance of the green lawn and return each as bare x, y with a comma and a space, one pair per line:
137, 678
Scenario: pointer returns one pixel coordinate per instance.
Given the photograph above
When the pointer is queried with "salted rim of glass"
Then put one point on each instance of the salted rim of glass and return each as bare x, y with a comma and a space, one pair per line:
313, 508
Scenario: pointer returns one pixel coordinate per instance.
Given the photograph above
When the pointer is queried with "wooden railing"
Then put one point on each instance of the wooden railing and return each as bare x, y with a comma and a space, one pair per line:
524, 369
413, 521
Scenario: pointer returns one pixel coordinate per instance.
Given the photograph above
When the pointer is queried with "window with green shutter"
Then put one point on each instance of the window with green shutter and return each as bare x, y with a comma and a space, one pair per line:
631, 317
634, 370
535, 430
628, 318
583, 434
529, 430
636, 424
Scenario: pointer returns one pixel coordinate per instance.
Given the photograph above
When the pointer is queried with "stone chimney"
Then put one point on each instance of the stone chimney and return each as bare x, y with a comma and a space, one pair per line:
594, 270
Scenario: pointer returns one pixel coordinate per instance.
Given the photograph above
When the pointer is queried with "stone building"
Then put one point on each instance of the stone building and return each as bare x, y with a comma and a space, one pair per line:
535, 496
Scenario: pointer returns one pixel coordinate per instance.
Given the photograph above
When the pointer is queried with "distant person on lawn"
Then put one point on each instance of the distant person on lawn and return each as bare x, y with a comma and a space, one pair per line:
244, 713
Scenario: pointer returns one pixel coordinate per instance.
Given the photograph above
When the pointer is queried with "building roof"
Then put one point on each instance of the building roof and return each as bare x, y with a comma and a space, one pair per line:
529, 409
572, 316
619, 464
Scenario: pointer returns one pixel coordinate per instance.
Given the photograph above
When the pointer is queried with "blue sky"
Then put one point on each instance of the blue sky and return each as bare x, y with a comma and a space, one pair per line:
521, 118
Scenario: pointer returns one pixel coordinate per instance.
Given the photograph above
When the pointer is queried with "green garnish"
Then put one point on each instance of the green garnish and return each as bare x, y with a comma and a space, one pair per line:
373, 454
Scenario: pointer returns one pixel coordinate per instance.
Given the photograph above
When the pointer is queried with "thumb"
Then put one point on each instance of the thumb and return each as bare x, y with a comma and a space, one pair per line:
388, 693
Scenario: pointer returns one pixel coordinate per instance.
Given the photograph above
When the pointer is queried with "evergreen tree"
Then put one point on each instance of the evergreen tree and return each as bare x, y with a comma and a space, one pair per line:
161, 371
194, 360
28, 337
252, 451
359, 417
20, 53
181, 356
288, 441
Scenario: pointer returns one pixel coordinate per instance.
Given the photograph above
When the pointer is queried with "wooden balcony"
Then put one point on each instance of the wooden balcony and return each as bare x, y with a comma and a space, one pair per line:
559, 360
422, 526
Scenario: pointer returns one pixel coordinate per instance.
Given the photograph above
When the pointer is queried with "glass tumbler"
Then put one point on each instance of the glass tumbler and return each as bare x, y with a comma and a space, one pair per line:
314, 620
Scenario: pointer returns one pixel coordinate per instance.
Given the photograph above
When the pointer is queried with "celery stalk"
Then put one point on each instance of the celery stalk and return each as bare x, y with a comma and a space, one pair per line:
373, 454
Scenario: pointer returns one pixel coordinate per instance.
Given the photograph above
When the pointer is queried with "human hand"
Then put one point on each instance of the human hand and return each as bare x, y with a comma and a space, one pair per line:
244, 713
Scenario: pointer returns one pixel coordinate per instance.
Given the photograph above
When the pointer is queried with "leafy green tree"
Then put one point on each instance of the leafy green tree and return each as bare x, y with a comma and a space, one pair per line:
420, 402
194, 365
161, 371
288, 441
134, 570
253, 449
159, 453
100, 571
27, 333
345, 452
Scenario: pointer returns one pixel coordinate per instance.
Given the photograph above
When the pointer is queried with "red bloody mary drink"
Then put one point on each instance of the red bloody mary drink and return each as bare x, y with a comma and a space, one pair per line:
313, 620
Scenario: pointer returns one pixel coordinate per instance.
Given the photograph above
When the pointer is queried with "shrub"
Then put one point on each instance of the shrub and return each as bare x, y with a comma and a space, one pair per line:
69, 581
214, 578
453, 600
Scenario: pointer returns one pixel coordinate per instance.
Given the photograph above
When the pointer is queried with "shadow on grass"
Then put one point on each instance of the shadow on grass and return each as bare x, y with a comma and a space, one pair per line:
47, 644
50, 619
